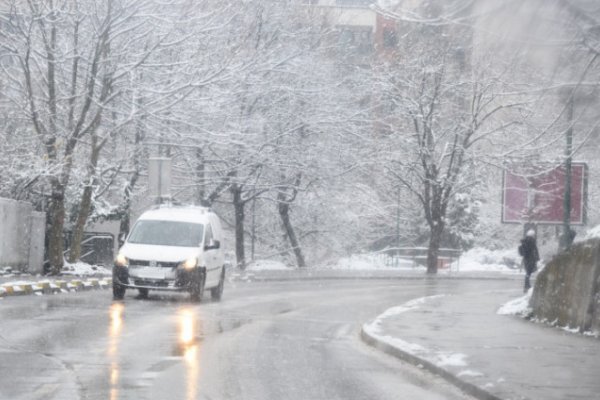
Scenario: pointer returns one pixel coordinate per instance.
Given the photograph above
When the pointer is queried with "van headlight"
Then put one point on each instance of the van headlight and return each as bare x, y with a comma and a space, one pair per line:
121, 260
189, 263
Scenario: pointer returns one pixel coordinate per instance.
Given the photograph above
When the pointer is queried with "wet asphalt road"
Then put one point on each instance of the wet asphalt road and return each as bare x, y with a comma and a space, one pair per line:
296, 340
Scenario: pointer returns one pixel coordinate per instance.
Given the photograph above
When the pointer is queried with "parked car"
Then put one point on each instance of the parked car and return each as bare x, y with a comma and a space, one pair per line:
174, 249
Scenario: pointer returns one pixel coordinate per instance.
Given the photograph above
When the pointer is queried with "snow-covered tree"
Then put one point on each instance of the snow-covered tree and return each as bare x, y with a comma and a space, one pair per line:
438, 106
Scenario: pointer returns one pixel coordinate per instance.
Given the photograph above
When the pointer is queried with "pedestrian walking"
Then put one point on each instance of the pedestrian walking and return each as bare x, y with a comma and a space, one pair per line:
529, 251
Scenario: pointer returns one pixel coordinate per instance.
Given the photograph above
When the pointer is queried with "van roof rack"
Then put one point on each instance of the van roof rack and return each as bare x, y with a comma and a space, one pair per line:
179, 205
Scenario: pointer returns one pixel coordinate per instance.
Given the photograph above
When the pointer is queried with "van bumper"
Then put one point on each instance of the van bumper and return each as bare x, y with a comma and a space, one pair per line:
182, 282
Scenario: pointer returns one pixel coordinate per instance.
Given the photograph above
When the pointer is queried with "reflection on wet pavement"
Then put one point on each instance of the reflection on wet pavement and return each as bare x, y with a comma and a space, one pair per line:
188, 348
115, 327
185, 338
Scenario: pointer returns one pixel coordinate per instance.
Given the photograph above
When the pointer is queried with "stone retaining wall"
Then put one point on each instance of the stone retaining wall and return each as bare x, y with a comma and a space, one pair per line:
567, 291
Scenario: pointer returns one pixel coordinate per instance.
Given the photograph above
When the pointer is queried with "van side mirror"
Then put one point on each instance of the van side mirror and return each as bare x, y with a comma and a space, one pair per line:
212, 245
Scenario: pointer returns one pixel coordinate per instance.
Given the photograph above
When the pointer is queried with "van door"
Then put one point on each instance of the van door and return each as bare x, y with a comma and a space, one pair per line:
211, 258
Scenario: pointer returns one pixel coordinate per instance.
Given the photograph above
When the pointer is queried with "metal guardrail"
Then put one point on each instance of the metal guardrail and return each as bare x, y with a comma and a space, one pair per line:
393, 256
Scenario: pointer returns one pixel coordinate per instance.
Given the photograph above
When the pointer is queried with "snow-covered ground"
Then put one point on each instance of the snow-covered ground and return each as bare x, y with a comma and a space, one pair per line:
15, 278
480, 259
83, 269
266, 265
477, 259
521, 308
371, 261
518, 306
592, 233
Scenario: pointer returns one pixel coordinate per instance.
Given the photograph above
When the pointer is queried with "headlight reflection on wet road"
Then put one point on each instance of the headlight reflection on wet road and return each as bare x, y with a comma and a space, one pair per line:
188, 348
116, 325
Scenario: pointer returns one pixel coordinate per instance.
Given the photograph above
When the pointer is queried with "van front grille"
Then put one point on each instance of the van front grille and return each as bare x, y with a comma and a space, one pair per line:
145, 263
150, 283
167, 264
141, 263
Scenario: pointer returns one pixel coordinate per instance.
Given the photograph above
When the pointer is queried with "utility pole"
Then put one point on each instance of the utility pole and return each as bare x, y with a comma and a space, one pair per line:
397, 258
253, 227
159, 179
566, 238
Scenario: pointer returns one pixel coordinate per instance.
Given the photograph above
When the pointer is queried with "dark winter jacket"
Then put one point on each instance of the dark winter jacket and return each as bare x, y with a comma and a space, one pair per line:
529, 251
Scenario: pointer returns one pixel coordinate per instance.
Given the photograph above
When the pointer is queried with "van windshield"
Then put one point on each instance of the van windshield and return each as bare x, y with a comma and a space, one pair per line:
167, 233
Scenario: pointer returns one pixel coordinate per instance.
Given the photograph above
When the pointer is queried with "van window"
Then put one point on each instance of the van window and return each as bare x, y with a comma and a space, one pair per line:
167, 233
209, 235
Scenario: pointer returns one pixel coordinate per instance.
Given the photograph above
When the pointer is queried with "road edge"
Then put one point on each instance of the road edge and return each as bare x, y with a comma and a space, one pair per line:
391, 350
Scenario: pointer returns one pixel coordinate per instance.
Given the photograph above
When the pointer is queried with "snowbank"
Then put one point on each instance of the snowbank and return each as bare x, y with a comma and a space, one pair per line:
369, 261
477, 259
480, 259
83, 269
266, 265
518, 306
593, 233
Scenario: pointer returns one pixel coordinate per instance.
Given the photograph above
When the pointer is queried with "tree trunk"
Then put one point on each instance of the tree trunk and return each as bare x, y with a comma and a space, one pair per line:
85, 205
56, 220
435, 239
284, 214
78, 230
57, 211
238, 206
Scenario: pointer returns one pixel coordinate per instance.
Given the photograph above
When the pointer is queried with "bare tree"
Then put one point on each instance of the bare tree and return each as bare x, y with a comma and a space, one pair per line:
442, 106
60, 86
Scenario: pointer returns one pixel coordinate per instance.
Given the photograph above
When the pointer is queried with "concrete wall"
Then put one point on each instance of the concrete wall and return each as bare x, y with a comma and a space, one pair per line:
21, 236
37, 242
567, 291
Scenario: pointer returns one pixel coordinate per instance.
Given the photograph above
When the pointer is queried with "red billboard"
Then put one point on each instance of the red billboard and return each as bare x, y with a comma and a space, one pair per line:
537, 195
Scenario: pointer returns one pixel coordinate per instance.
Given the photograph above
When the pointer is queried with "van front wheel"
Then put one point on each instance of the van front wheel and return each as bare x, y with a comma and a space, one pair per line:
217, 292
197, 287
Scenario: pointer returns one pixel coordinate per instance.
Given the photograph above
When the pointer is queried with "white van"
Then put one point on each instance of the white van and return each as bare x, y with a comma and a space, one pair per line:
172, 249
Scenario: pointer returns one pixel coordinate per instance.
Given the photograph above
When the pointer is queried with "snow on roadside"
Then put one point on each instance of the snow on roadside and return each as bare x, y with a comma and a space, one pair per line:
451, 360
84, 269
505, 261
69, 270
408, 306
469, 372
439, 358
480, 259
374, 327
266, 265
370, 261
518, 306
592, 233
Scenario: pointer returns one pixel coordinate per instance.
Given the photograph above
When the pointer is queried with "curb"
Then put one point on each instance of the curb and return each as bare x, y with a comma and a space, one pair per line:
53, 287
467, 387
259, 276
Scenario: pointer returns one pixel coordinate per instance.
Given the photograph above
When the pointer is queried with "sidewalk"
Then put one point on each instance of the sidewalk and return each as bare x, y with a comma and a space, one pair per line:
462, 338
